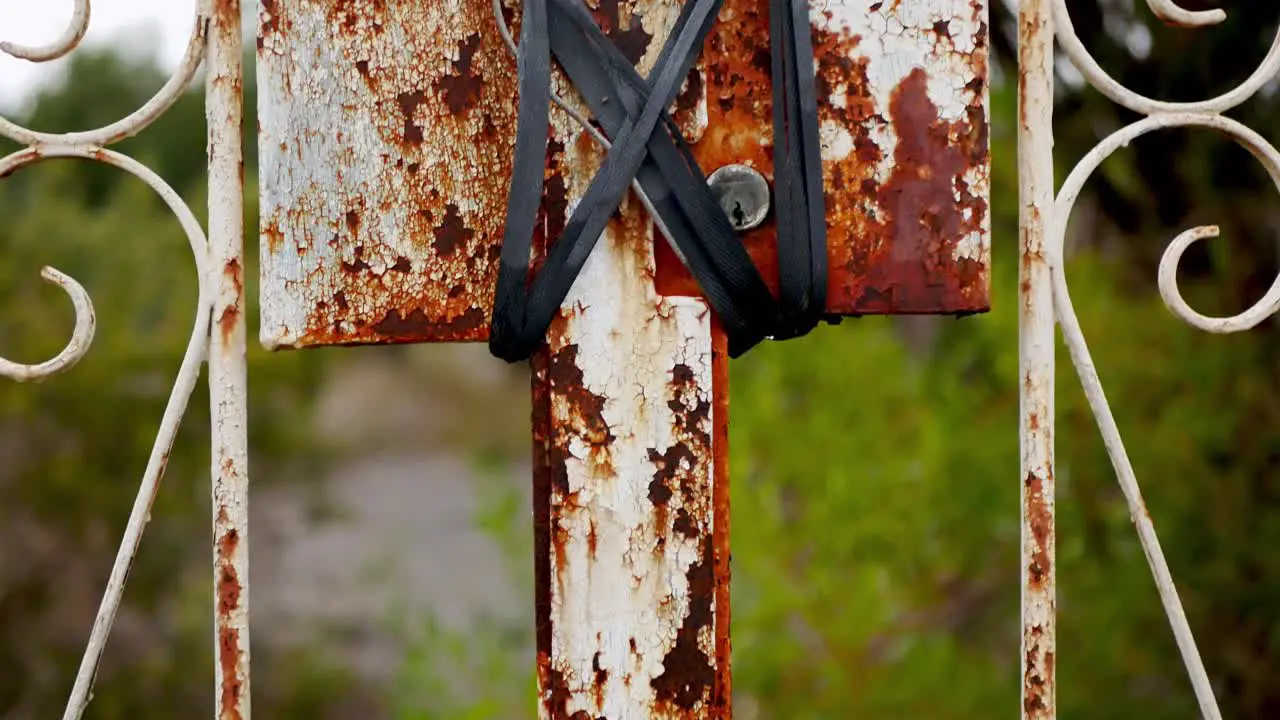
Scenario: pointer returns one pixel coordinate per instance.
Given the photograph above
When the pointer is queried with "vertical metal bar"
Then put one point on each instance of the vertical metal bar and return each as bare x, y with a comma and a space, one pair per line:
1036, 348
227, 367
630, 521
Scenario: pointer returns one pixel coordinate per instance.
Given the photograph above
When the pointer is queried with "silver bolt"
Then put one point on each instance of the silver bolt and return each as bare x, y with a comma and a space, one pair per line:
743, 193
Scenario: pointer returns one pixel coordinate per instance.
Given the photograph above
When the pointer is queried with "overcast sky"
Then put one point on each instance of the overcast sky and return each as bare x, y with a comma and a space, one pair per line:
154, 27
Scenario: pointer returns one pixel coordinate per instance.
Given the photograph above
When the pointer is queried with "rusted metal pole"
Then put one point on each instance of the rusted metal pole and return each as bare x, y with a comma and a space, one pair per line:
630, 500
1035, 348
227, 368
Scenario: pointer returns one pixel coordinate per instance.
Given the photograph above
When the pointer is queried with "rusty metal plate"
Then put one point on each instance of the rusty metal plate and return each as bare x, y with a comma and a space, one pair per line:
385, 144
902, 105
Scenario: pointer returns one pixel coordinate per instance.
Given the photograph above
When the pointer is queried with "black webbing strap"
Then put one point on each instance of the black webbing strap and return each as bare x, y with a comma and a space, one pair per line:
797, 171
647, 145
671, 178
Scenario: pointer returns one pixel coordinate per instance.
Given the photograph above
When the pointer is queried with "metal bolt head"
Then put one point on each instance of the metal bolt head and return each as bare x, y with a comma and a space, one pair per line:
743, 193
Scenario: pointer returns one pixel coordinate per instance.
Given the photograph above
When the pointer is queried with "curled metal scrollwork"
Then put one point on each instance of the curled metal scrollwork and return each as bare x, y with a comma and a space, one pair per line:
92, 145
65, 43
77, 346
85, 143
1159, 115
1171, 12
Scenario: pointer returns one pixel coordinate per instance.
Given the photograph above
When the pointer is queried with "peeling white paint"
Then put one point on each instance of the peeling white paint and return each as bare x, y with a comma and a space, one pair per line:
896, 39
629, 342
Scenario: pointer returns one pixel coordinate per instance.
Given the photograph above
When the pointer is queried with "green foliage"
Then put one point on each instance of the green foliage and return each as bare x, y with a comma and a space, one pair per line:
450, 674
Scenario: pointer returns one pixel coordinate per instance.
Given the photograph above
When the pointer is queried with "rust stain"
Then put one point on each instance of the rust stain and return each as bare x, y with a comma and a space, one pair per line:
228, 592
593, 539
228, 583
228, 658
273, 236
722, 691
231, 314
1030, 27
396, 325
554, 688
270, 24
352, 16
226, 13
1037, 696
660, 489
694, 677
408, 103
1040, 520
545, 469
462, 89
451, 234
922, 221
599, 677
691, 94
584, 409
567, 413
689, 674
626, 33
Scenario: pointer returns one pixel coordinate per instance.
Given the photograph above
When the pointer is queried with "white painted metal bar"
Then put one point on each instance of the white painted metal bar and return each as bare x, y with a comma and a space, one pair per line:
227, 367
1035, 347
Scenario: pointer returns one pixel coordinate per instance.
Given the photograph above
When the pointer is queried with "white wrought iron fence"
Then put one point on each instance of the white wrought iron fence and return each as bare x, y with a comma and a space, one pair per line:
217, 335
1045, 301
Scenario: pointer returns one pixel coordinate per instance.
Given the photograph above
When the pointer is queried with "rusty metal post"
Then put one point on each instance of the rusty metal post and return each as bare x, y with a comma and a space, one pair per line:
227, 368
630, 459
630, 519
631, 507
1036, 348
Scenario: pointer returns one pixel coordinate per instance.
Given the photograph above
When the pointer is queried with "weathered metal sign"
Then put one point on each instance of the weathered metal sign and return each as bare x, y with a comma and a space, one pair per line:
386, 130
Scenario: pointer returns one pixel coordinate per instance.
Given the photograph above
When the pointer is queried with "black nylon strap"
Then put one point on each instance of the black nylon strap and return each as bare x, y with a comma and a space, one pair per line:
533, 67
648, 146
520, 321
669, 176
797, 170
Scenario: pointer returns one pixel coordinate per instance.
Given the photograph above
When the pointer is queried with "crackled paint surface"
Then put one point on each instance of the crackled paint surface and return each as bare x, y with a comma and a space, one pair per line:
1036, 340
631, 544
630, 521
385, 139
